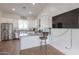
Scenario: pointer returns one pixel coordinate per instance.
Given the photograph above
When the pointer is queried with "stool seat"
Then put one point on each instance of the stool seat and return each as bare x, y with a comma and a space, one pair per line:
43, 38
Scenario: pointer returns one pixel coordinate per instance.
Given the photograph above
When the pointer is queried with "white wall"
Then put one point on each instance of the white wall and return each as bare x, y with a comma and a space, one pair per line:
63, 42
60, 40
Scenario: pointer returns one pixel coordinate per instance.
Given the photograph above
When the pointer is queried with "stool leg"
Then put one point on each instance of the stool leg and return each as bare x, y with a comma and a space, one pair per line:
40, 44
45, 44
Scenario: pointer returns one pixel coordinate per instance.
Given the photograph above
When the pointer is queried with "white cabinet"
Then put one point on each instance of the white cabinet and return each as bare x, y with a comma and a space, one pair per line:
29, 41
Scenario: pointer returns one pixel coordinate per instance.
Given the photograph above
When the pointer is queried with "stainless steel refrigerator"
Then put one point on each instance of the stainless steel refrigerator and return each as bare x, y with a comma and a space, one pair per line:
6, 31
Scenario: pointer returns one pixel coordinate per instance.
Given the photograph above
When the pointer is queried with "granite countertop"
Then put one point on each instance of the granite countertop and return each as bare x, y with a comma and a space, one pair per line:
30, 34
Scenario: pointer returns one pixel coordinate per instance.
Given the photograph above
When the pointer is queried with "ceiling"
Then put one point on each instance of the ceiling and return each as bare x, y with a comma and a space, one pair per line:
28, 9
59, 8
23, 9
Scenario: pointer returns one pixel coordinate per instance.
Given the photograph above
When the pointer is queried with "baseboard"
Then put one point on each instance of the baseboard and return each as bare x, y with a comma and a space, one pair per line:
57, 48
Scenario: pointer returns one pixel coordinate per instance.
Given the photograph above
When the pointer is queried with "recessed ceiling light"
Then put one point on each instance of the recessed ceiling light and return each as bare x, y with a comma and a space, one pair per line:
13, 9
30, 12
33, 3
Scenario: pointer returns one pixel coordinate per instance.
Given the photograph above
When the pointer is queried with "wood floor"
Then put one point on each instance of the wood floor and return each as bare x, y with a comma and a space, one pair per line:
37, 51
13, 48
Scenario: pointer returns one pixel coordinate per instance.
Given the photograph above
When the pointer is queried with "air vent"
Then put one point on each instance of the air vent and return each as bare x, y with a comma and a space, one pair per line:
23, 17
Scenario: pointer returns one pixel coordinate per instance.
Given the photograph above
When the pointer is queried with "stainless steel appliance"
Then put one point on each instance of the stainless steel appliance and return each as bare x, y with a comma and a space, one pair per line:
6, 31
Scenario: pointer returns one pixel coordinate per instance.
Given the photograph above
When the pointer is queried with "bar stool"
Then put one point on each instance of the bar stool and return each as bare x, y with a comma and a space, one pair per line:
43, 39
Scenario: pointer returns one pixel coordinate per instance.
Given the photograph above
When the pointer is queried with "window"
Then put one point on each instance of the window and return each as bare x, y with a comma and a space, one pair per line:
23, 24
